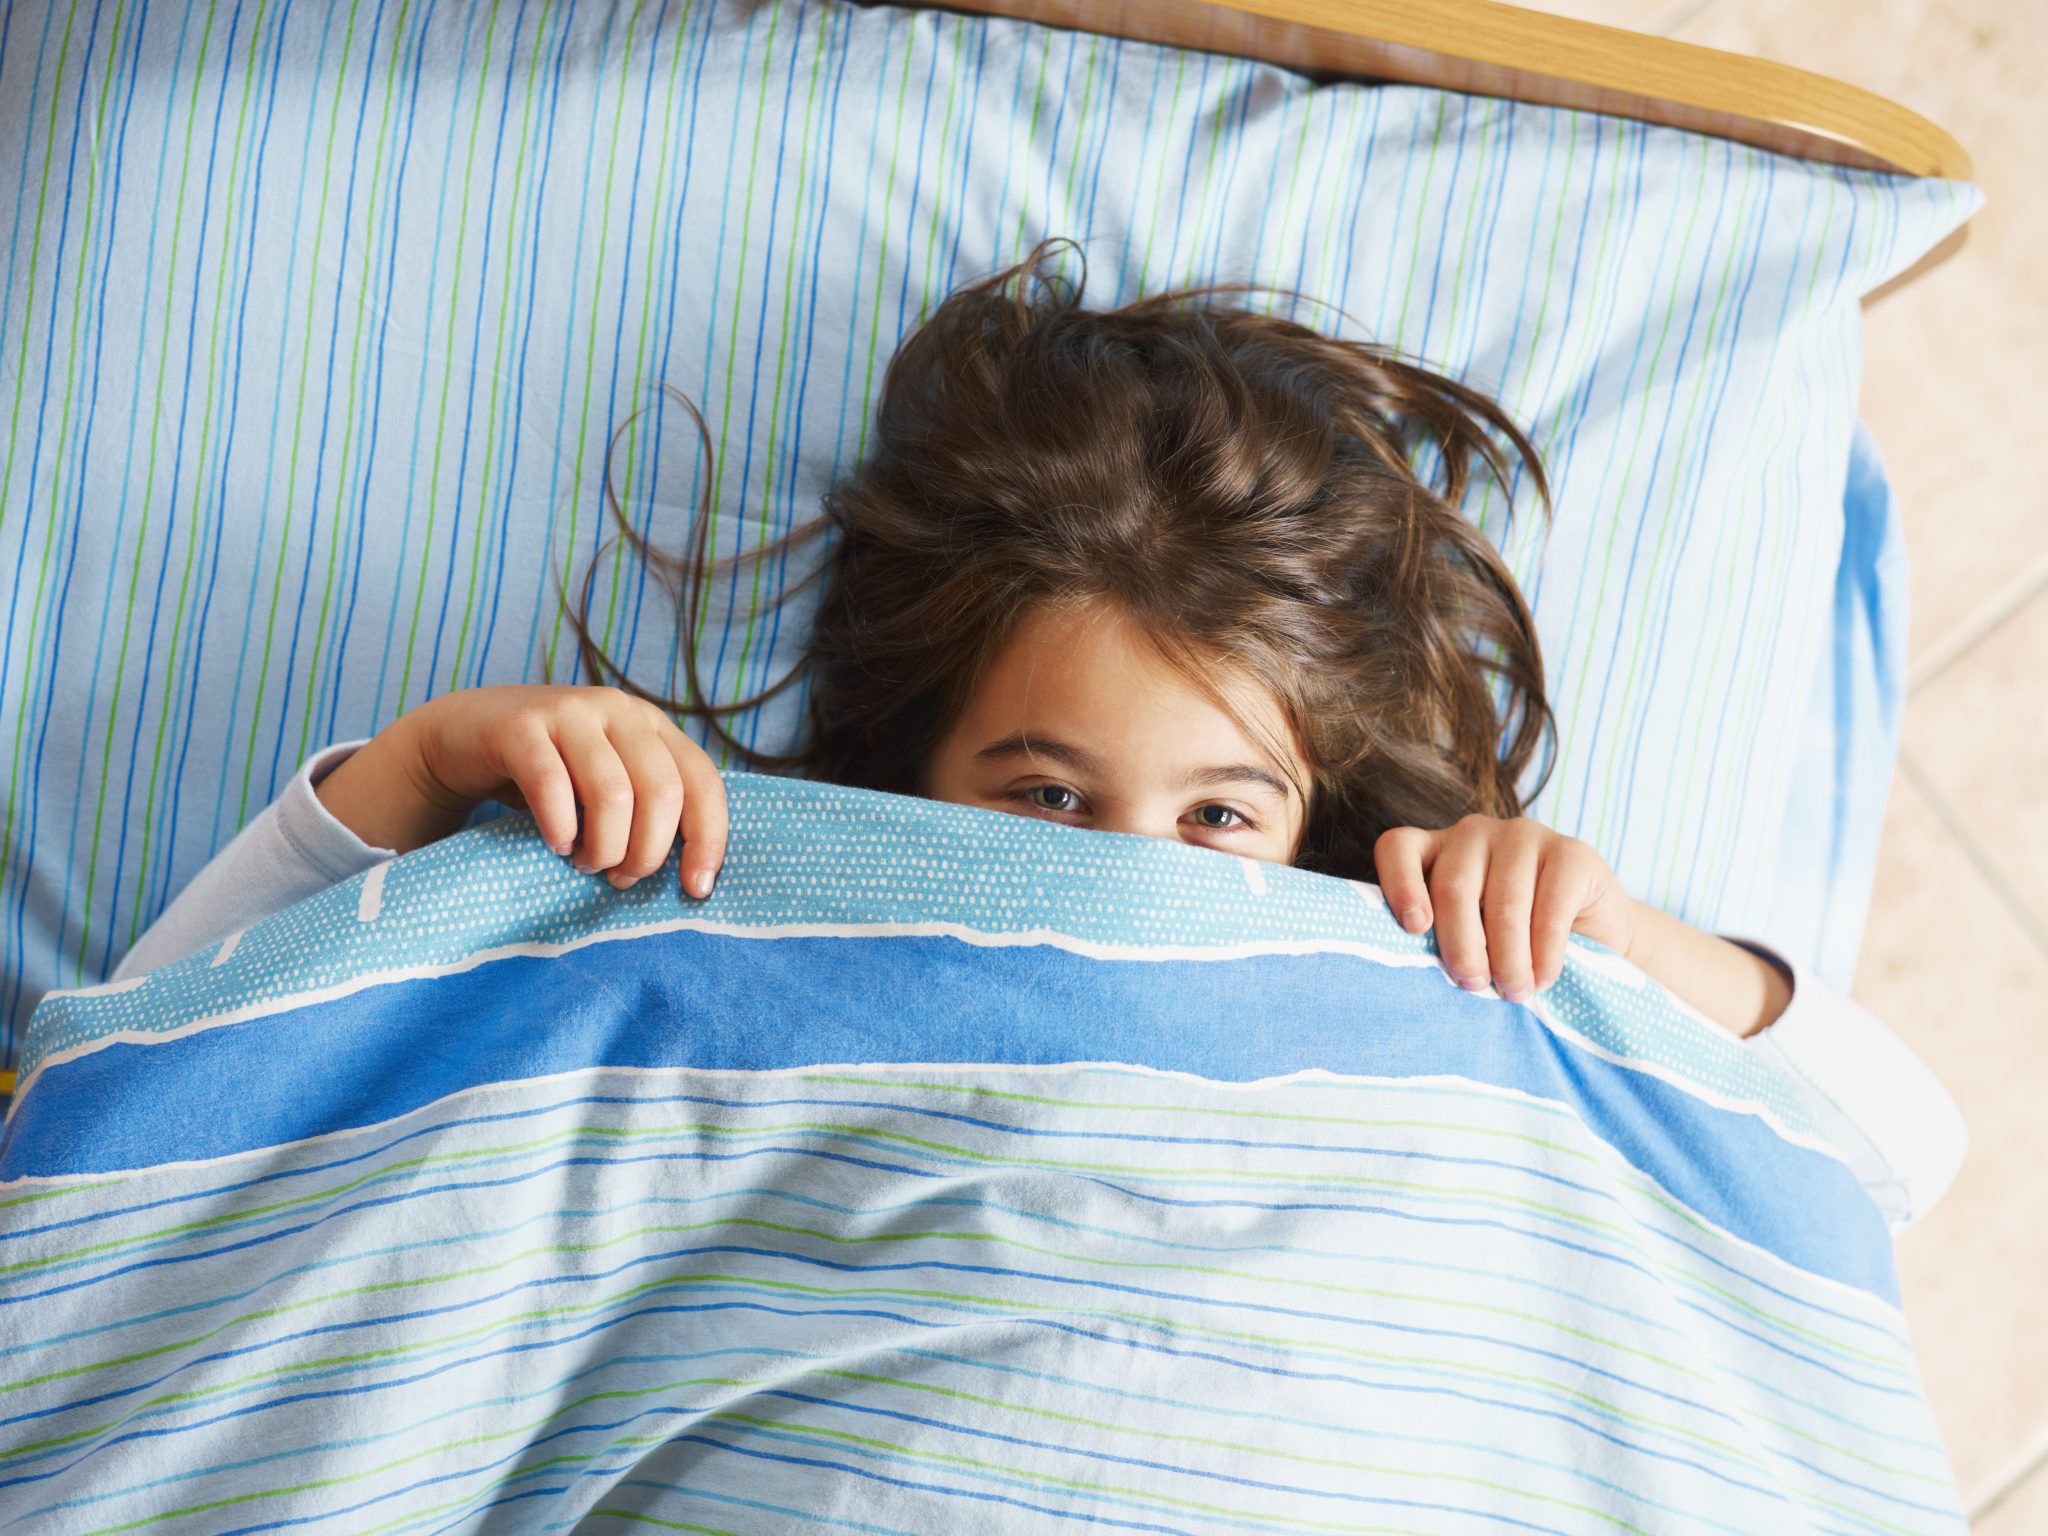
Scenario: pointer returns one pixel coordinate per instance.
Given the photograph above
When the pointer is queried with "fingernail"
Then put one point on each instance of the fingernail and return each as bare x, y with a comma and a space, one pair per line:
1512, 994
1414, 919
700, 883
561, 848
622, 882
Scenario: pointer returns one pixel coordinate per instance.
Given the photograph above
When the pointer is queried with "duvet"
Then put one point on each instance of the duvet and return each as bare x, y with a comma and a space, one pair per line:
945, 1171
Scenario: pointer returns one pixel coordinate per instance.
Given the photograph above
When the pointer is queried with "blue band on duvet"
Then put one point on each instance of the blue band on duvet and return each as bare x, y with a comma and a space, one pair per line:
693, 999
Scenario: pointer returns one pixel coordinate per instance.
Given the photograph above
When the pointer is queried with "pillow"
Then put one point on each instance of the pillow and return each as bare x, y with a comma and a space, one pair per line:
1847, 743
317, 331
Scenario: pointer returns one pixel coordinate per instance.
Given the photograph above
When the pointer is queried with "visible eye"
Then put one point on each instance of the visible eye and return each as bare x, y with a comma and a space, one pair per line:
1052, 797
1218, 818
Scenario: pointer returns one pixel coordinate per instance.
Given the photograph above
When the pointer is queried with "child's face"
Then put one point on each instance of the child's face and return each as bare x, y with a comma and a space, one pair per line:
1081, 721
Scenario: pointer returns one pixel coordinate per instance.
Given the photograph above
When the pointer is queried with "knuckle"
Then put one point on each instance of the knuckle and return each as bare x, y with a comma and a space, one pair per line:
662, 803
592, 703
525, 724
610, 791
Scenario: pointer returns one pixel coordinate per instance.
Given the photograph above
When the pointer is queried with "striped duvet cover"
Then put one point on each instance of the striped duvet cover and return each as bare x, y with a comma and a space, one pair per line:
944, 1172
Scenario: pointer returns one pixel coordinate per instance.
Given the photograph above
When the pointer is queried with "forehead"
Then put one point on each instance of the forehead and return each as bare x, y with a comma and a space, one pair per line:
1089, 675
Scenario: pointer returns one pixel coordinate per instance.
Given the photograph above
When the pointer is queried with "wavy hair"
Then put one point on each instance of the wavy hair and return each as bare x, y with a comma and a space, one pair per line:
1237, 484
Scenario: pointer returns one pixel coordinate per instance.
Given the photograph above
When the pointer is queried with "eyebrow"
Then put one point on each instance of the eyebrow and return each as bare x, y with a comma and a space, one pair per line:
1085, 762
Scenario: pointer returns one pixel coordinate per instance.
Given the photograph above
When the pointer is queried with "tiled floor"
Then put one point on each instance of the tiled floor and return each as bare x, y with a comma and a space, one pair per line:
1954, 378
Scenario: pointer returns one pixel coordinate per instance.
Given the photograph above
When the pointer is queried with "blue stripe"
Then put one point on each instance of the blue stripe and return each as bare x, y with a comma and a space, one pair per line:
552, 99
249, 199
192, 1097
400, 567
17, 937
313, 501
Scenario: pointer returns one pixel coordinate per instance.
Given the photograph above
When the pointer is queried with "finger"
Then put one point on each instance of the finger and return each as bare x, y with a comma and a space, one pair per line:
1560, 897
603, 788
529, 757
1456, 881
1504, 908
705, 816
657, 802
1400, 858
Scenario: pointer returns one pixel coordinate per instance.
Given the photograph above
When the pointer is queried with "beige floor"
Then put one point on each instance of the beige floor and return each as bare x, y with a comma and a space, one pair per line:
1953, 372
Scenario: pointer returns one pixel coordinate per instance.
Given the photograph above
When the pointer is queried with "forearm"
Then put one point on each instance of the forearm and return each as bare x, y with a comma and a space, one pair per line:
1740, 991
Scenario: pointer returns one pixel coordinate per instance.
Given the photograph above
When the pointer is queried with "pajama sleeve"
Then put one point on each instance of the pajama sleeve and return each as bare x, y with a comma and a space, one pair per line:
293, 849
1877, 1102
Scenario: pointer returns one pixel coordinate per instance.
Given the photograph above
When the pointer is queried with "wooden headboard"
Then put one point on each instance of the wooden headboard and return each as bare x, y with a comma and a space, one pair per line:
1489, 49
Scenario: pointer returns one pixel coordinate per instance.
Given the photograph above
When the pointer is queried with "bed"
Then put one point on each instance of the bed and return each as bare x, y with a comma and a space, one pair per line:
323, 329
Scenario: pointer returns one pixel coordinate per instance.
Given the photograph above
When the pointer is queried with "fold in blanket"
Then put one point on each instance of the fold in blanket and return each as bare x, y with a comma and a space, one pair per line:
944, 1171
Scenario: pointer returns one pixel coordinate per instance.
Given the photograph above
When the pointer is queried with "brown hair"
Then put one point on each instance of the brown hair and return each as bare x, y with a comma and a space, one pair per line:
1239, 485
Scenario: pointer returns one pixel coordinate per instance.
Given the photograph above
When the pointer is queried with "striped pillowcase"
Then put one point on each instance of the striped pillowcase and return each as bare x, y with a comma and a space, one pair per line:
318, 320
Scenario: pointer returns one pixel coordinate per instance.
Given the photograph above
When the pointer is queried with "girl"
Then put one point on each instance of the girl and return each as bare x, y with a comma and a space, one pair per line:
1164, 570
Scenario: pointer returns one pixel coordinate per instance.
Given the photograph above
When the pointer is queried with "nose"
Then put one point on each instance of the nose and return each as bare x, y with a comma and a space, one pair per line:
1141, 822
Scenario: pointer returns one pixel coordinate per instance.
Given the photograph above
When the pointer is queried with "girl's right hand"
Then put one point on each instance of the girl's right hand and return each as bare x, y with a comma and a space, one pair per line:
634, 776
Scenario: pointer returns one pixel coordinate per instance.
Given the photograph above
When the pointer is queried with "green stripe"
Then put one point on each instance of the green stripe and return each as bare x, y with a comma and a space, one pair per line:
1251, 1278
291, 487
1651, 608
1520, 1493
1076, 140
739, 286
1226, 1175
1594, 814
620, 1137
994, 1308
1293, 183
518, 242
1708, 732
1180, 69
58, 462
771, 459
1562, 202
1199, 226
351, 419
195, 530
448, 355
604, 232
1488, 143
1042, 39
1436, 144
1782, 523
650, 268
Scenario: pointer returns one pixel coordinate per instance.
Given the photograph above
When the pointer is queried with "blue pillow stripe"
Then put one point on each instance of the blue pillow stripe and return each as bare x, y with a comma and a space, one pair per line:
522, 217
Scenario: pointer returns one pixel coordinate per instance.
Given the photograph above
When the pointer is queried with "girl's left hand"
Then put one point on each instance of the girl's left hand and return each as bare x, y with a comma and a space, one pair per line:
1504, 895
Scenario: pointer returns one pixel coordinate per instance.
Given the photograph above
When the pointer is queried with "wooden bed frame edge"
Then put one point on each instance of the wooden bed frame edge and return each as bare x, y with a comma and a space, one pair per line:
1485, 48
